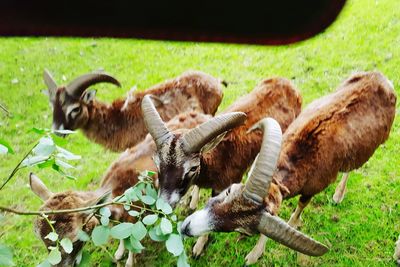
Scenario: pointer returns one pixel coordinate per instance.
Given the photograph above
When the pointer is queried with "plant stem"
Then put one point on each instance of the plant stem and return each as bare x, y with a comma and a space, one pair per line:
48, 212
17, 168
5, 110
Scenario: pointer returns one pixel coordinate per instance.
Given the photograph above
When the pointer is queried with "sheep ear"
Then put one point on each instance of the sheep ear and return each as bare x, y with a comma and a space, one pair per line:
213, 143
88, 96
39, 188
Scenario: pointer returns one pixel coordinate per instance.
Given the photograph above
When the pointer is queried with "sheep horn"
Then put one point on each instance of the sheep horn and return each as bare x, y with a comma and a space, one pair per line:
50, 83
80, 84
257, 185
278, 230
196, 138
153, 121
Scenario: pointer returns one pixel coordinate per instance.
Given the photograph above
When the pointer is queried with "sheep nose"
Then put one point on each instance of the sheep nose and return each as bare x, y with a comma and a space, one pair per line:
185, 230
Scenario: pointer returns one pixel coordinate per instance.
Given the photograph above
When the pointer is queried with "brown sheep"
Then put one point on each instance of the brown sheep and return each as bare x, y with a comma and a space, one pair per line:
119, 125
121, 175
338, 132
182, 159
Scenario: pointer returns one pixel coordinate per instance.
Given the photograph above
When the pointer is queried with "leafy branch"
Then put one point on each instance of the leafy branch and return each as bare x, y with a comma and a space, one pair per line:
46, 152
154, 218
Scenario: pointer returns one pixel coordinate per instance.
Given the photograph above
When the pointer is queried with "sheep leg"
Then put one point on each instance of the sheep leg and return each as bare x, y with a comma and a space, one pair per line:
195, 197
257, 251
295, 220
199, 246
396, 255
130, 262
120, 251
341, 189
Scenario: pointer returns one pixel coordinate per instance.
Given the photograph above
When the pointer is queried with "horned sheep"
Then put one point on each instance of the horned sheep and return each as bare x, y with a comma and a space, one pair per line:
338, 132
119, 125
121, 175
181, 157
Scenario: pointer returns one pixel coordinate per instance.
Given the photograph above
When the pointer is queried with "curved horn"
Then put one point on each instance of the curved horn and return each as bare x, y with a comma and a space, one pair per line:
80, 84
259, 180
196, 138
278, 230
153, 121
50, 83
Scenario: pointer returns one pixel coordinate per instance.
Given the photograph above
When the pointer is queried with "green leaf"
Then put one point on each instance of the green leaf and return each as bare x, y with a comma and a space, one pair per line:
33, 160
174, 244
151, 191
150, 173
66, 244
54, 257
182, 260
83, 236
133, 213
64, 164
148, 200
104, 220
131, 195
45, 147
139, 231
6, 256
70, 177
59, 141
52, 236
46, 164
38, 130
5, 144
128, 246
150, 219
163, 206
63, 153
105, 211
122, 230
64, 131
156, 237
166, 226
100, 235
85, 259
135, 243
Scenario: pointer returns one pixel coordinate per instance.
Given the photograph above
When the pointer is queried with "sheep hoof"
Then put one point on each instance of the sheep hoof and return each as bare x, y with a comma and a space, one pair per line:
254, 255
338, 197
198, 248
296, 223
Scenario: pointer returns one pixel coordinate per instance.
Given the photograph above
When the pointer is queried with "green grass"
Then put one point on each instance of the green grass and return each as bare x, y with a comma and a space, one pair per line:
365, 37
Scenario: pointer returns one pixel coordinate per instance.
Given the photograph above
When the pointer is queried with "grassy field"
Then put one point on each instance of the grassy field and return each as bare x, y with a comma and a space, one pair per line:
360, 232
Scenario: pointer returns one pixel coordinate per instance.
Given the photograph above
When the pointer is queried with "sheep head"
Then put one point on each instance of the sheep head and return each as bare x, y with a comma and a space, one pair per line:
178, 155
66, 225
242, 207
70, 103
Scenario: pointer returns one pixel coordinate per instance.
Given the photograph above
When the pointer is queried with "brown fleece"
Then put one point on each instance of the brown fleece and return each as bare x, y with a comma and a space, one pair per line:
226, 164
118, 128
338, 132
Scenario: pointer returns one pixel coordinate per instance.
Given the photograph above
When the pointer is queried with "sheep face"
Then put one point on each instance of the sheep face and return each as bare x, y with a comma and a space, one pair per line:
70, 103
227, 212
70, 112
177, 169
66, 225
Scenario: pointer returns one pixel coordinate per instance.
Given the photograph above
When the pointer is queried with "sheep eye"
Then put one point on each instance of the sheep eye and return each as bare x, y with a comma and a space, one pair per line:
76, 110
193, 169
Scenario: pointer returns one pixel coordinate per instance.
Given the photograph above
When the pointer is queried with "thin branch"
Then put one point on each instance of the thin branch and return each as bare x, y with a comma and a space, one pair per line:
48, 212
17, 168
